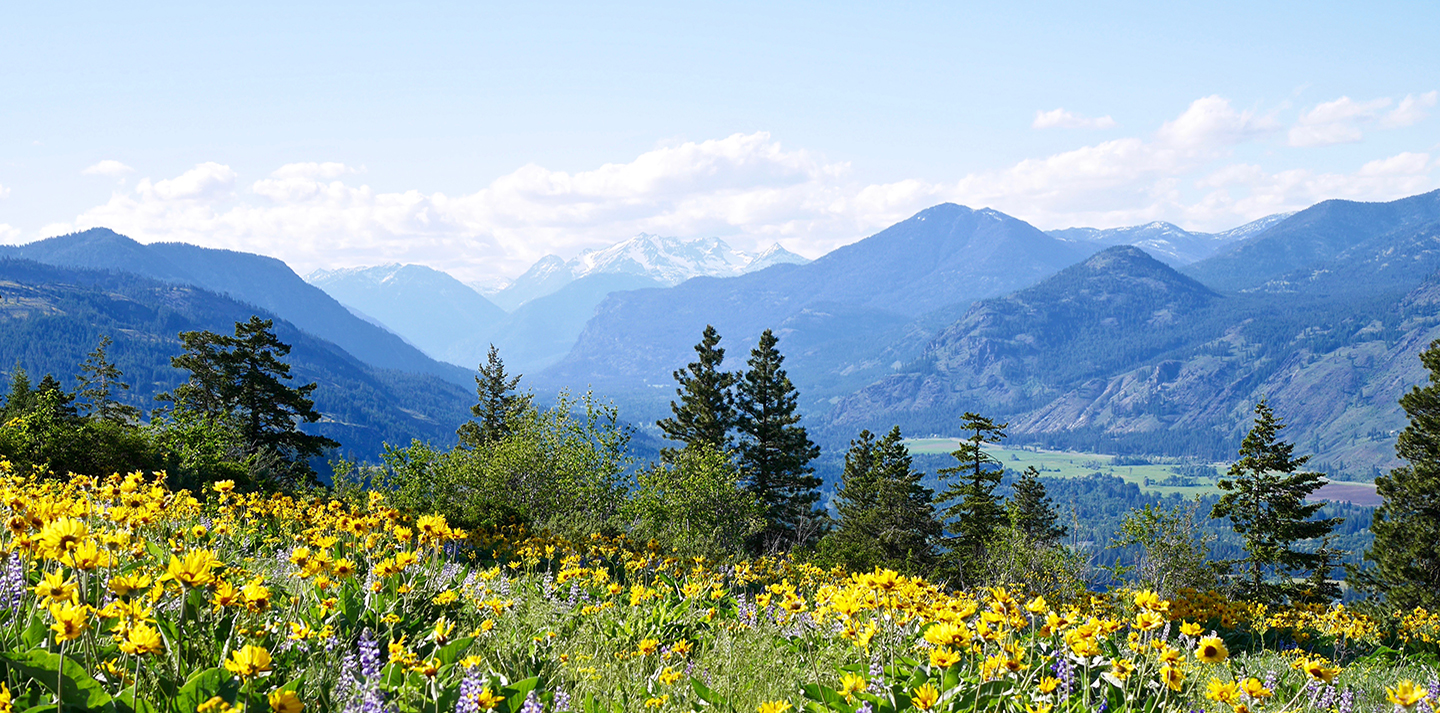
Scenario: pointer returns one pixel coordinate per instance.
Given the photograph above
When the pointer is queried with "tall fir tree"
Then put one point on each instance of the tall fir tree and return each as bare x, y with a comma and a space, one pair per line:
705, 412
1031, 512
975, 513
886, 516
1405, 558
498, 404
775, 451
98, 379
1265, 501
242, 380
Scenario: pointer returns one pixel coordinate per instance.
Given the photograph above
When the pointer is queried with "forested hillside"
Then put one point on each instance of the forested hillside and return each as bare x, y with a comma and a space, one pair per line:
51, 317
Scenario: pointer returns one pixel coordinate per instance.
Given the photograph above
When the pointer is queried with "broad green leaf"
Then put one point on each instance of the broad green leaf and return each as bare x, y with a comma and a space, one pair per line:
77, 687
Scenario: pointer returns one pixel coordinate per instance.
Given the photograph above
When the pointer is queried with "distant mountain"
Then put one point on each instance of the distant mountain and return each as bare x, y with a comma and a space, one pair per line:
668, 261
844, 319
51, 317
1169, 243
429, 308
262, 281
541, 332
1317, 234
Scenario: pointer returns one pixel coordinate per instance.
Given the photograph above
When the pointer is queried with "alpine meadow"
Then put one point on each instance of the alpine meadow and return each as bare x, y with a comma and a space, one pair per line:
731, 358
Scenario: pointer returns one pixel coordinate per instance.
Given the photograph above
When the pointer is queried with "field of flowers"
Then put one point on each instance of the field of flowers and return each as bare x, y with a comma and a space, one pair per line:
119, 594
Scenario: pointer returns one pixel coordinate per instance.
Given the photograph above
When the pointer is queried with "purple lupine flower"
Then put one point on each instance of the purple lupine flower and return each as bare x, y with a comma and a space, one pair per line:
561, 702
1272, 679
532, 704
877, 676
865, 708
1347, 702
369, 656
1065, 671
1435, 691
12, 583
470, 688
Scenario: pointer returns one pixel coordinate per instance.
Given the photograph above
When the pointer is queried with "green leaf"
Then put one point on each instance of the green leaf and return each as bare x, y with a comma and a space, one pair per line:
516, 692
78, 687
828, 696
704, 693
126, 702
449, 653
204, 685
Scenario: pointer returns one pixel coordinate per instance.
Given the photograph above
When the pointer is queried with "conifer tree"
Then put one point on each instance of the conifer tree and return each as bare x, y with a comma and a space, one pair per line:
497, 406
774, 449
21, 398
887, 518
1031, 511
98, 379
975, 513
241, 381
1265, 500
705, 412
1405, 557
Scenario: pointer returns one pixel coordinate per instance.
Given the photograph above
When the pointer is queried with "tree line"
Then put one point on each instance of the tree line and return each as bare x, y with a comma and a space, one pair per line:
737, 479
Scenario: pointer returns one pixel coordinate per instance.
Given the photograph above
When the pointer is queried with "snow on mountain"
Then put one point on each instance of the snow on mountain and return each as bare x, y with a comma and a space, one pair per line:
1167, 242
669, 261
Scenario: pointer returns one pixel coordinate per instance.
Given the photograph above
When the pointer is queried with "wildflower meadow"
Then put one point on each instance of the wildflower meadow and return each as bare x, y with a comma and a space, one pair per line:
123, 595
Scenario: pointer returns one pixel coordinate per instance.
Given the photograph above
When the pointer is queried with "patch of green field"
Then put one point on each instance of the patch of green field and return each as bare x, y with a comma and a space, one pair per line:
1169, 476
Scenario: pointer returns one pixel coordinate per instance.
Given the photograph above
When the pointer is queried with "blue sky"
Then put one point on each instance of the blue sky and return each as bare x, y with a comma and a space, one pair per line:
478, 137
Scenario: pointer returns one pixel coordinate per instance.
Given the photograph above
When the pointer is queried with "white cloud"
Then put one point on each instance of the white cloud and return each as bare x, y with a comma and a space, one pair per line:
4, 193
9, 234
1059, 118
747, 188
108, 167
1335, 122
1410, 110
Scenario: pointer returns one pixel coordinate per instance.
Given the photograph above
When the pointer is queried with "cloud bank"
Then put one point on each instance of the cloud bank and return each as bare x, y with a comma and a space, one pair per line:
753, 190
1061, 119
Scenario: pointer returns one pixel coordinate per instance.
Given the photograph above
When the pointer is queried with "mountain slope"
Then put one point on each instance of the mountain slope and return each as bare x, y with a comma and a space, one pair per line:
1119, 355
262, 281
429, 308
51, 317
1312, 236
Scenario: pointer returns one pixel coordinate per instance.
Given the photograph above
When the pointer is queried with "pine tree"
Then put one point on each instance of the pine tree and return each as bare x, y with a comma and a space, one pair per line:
1031, 511
705, 412
98, 379
887, 518
241, 380
1405, 558
775, 451
1265, 500
498, 404
975, 512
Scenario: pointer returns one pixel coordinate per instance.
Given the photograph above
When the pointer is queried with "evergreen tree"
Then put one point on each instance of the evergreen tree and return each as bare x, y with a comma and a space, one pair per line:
705, 412
20, 399
975, 512
98, 379
498, 406
1265, 500
242, 380
775, 451
1031, 512
1405, 558
887, 518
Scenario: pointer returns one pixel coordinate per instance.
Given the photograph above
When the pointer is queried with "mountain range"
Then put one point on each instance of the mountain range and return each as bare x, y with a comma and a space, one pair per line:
1142, 340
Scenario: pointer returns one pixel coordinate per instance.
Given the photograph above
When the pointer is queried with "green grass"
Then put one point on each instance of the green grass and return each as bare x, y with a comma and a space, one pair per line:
1061, 464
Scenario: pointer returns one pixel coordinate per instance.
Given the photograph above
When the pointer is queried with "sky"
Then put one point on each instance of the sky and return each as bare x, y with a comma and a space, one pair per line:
478, 137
